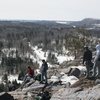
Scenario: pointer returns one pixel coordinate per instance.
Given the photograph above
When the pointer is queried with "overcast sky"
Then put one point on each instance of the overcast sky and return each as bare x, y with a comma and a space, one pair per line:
49, 9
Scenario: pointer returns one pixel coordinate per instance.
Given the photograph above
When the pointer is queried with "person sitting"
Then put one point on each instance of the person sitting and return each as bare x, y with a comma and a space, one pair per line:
28, 76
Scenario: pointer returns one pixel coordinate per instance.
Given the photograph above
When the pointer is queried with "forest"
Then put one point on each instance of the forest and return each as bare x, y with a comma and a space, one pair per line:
17, 35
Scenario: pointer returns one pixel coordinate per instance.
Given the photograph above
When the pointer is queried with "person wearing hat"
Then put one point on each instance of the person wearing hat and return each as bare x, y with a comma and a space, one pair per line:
87, 57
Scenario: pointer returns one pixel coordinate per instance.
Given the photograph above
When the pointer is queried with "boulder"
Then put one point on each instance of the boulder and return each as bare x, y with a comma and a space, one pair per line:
97, 81
74, 72
6, 96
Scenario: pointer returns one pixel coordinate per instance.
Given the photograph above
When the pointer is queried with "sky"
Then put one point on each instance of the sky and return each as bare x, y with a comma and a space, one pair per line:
69, 10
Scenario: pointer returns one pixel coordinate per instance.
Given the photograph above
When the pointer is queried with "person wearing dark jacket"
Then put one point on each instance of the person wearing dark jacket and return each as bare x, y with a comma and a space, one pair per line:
87, 57
43, 71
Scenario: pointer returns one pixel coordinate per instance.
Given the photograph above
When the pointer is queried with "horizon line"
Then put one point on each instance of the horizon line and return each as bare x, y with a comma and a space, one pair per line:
44, 19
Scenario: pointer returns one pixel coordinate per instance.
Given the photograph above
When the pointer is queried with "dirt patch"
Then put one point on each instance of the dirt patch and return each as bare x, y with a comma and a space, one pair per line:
84, 83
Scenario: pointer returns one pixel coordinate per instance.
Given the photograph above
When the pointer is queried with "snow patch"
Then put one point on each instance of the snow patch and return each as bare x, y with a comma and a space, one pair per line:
10, 51
62, 22
12, 78
62, 58
68, 79
64, 79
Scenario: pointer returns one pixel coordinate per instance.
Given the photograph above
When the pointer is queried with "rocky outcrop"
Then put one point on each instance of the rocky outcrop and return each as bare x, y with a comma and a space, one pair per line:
60, 87
84, 89
28, 92
36, 86
78, 94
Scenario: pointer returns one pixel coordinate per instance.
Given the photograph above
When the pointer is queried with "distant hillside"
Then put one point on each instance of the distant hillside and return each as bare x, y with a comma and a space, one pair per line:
87, 22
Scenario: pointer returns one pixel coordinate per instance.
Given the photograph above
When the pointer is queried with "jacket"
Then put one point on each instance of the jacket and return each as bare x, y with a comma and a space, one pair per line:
87, 56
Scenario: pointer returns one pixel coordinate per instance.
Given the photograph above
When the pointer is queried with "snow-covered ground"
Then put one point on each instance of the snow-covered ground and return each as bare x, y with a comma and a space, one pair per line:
12, 78
68, 79
80, 67
39, 54
64, 79
62, 58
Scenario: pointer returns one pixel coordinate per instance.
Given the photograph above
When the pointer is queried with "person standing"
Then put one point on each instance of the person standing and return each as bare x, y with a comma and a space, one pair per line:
87, 57
43, 71
96, 67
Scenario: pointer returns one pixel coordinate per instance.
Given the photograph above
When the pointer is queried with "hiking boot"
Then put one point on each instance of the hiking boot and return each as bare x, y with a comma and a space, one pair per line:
46, 83
41, 82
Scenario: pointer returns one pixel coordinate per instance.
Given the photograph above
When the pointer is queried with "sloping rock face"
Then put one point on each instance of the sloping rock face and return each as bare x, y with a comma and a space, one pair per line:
27, 93
77, 94
35, 86
84, 89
